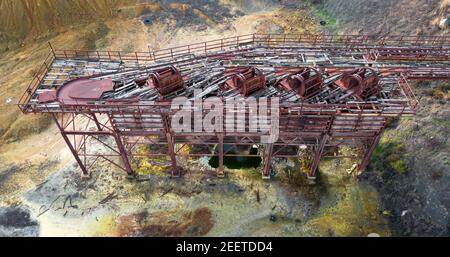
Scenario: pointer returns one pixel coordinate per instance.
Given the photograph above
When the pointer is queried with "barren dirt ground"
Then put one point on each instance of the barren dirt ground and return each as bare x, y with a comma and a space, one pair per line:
42, 192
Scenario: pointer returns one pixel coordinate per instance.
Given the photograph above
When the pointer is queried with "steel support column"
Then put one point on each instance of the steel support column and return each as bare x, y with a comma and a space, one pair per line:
170, 145
317, 156
120, 146
69, 144
173, 159
268, 153
220, 169
97, 123
368, 154
123, 154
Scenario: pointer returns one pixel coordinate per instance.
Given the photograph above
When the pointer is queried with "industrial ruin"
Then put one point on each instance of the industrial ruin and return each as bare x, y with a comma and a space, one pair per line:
333, 90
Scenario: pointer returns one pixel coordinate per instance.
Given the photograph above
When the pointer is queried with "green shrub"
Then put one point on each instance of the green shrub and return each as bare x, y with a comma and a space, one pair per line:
390, 155
99, 31
399, 166
392, 122
441, 91
319, 10
438, 94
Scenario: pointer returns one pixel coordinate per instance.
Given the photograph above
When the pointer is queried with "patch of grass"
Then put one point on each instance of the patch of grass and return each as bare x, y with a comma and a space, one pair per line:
355, 213
390, 155
292, 174
27, 125
305, 163
319, 11
129, 48
441, 91
441, 122
438, 94
99, 31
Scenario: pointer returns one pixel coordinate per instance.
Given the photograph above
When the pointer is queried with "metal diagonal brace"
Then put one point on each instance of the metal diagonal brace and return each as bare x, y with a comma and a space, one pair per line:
171, 147
373, 144
170, 144
71, 147
317, 156
121, 148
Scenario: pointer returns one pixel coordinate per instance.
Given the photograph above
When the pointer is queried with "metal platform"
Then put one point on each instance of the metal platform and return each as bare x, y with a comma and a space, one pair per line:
333, 91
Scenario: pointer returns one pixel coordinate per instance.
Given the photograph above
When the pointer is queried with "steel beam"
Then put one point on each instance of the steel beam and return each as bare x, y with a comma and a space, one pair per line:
120, 146
268, 154
317, 156
220, 168
173, 158
97, 123
368, 154
170, 144
124, 155
71, 147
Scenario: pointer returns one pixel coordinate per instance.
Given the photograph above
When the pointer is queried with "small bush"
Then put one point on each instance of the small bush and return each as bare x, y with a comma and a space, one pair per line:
144, 165
392, 122
100, 31
399, 166
305, 163
438, 94
390, 156
441, 91
321, 13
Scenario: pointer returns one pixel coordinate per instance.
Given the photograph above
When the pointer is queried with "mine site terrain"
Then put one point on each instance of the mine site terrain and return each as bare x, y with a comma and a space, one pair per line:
403, 192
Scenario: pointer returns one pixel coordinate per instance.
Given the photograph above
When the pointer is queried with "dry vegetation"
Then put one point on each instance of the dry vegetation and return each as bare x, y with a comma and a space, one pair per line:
388, 16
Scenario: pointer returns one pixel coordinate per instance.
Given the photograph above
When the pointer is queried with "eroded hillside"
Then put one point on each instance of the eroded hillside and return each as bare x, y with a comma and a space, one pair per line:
27, 19
411, 167
24, 21
388, 16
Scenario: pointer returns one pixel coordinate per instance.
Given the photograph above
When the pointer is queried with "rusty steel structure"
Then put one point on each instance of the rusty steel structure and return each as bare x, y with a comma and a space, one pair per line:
334, 91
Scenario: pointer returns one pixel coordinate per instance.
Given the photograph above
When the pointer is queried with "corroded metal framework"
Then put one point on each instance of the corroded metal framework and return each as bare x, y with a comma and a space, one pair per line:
328, 116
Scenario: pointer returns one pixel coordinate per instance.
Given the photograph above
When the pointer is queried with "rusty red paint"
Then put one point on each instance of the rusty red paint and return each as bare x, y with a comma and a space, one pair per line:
305, 81
84, 90
165, 80
47, 96
361, 83
247, 81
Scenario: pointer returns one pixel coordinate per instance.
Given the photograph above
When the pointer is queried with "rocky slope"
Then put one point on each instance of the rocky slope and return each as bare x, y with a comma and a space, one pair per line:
417, 201
23, 20
388, 16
